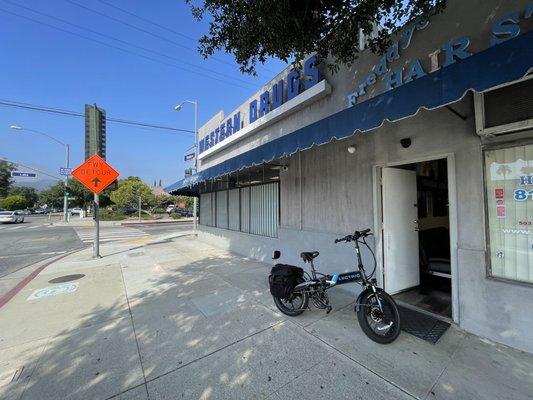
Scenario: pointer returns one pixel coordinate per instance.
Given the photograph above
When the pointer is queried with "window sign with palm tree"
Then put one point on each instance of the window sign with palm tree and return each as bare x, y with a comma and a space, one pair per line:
509, 196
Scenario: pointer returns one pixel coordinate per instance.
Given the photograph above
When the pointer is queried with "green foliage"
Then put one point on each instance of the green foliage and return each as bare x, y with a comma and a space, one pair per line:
253, 31
53, 196
14, 202
110, 215
5, 177
29, 193
82, 197
128, 191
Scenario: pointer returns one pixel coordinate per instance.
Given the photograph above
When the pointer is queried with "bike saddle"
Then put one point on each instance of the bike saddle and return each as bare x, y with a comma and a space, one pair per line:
309, 255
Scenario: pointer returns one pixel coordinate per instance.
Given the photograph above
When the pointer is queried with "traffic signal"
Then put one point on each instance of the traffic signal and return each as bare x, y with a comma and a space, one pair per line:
67, 191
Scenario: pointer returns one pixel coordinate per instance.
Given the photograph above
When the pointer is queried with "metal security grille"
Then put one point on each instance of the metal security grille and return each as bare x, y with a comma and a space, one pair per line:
251, 209
509, 104
234, 219
245, 209
264, 210
222, 209
206, 209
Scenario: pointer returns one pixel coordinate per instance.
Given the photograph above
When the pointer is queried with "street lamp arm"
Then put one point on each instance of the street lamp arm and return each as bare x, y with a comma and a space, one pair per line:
46, 135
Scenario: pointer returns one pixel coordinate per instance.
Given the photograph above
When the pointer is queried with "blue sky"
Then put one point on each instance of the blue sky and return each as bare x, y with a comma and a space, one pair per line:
49, 67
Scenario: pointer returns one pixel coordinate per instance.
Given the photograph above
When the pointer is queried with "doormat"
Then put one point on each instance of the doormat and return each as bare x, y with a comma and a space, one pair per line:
422, 325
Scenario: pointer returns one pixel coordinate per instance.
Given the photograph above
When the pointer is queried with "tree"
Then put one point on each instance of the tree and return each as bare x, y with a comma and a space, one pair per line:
79, 194
5, 177
29, 193
128, 191
14, 202
254, 30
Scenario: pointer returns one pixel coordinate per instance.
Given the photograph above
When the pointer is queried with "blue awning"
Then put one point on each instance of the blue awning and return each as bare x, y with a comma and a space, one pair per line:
506, 62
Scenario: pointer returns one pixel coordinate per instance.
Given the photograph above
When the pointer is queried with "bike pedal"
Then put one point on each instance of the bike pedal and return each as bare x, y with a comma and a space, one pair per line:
328, 309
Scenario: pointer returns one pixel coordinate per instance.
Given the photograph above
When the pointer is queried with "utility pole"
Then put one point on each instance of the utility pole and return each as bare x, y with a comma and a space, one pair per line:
140, 205
195, 198
66, 191
95, 143
96, 243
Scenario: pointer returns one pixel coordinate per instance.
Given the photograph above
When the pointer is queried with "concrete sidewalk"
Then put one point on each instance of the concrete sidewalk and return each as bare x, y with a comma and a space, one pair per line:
175, 318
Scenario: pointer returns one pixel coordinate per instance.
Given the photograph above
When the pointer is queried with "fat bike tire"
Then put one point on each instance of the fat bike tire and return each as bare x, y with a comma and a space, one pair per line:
294, 305
381, 326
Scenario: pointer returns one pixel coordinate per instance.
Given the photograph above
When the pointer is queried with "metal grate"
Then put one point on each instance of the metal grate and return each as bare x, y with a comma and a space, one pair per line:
422, 325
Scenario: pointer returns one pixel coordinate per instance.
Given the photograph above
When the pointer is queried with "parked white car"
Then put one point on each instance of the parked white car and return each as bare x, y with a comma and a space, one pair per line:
170, 208
75, 211
13, 217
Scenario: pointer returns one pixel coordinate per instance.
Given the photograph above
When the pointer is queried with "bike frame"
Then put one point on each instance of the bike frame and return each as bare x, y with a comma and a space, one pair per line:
358, 276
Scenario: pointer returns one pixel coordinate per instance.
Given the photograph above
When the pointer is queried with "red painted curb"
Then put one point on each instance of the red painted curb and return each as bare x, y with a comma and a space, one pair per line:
9, 295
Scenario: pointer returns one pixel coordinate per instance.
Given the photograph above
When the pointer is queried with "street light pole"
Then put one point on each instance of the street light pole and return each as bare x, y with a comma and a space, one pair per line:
67, 157
195, 199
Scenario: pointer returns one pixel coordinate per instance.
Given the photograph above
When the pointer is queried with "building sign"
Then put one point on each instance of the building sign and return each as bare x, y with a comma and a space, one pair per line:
505, 28
189, 157
282, 91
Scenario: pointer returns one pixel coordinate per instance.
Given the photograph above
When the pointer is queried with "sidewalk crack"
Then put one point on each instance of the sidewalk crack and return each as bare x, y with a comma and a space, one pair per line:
134, 332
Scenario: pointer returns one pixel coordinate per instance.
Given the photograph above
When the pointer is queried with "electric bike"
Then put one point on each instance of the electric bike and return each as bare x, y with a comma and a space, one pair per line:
292, 288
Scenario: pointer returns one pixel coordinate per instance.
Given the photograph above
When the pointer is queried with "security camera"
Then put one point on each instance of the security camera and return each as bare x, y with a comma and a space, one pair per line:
405, 142
285, 168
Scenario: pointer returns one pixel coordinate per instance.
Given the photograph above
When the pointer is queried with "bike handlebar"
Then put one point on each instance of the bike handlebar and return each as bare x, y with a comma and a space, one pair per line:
355, 236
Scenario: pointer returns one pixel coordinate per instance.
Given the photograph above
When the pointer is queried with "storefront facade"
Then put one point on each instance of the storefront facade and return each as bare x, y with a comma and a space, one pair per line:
430, 146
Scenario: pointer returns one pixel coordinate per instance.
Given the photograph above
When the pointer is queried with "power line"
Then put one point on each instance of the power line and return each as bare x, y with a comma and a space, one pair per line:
166, 28
32, 168
126, 42
133, 26
124, 50
51, 110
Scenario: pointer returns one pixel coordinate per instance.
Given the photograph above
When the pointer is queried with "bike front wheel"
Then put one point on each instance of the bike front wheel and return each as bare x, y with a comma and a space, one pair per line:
381, 324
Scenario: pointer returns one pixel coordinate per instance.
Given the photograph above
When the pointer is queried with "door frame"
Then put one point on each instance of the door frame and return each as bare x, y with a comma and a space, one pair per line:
452, 199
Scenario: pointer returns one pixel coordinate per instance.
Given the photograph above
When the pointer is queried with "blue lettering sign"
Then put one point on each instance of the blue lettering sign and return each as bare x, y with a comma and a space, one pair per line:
311, 72
393, 78
293, 84
505, 28
526, 180
253, 111
277, 95
414, 71
456, 49
236, 122
263, 104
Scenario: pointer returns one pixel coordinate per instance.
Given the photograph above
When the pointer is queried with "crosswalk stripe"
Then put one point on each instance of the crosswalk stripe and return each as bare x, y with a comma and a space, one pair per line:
86, 235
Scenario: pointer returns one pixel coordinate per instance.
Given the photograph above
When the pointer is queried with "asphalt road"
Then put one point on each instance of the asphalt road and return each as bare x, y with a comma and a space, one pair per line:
32, 241
22, 245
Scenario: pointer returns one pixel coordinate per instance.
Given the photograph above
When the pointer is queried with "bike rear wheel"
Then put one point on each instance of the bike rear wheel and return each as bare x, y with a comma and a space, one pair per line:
382, 325
293, 305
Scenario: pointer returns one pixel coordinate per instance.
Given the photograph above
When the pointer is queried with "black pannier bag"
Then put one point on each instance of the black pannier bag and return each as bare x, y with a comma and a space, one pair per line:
283, 278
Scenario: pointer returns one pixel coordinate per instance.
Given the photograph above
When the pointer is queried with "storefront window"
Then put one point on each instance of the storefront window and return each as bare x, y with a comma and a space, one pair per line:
509, 185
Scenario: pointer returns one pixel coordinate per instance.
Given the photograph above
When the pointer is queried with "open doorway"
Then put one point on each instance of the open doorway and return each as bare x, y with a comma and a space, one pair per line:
416, 235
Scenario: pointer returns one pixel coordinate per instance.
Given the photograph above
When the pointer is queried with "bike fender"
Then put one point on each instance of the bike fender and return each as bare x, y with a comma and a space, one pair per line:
364, 292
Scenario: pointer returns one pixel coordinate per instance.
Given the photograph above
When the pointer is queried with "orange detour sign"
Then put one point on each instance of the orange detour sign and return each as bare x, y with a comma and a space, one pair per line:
95, 174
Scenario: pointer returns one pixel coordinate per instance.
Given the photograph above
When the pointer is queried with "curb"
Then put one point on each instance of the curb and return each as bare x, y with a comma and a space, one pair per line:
155, 222
9, 295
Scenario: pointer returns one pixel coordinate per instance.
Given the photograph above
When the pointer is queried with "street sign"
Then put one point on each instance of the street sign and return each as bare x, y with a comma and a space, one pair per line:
23, 174
95, 174
189, 157
65, 171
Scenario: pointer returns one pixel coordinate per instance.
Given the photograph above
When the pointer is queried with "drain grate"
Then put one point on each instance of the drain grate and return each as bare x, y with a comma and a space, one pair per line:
421, 325
66, 278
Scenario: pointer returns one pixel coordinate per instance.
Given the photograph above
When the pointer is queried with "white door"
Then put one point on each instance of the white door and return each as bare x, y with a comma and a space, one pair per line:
400, 229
